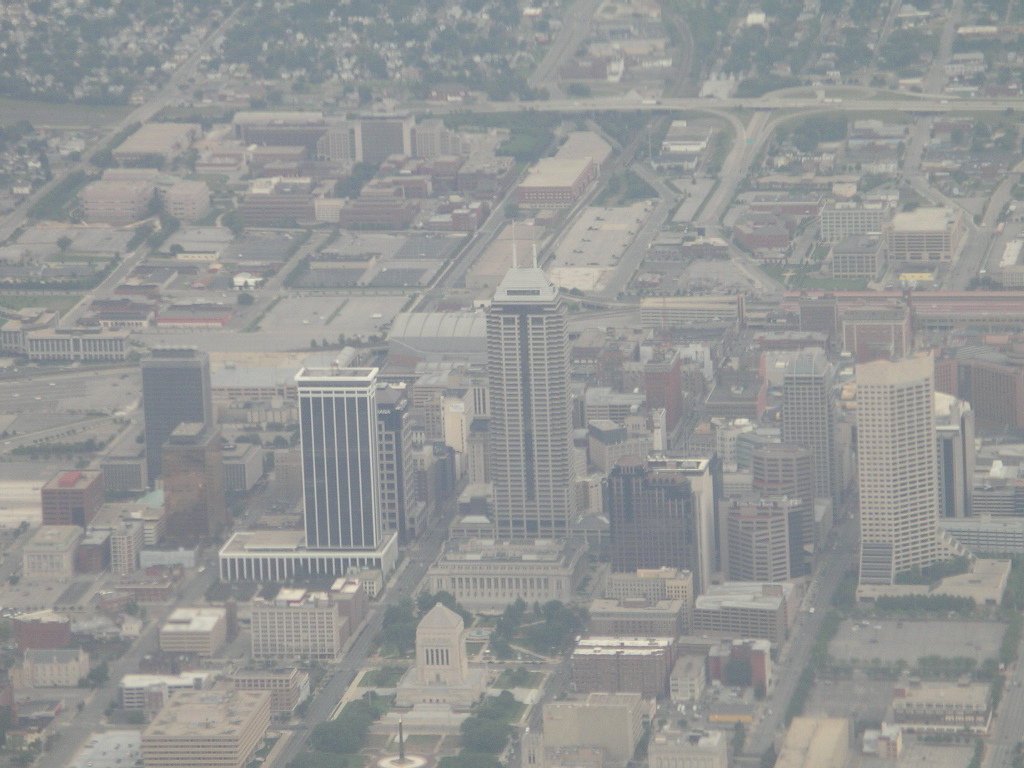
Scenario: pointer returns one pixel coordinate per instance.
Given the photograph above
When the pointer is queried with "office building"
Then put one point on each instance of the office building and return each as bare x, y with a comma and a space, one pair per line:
942, 707
784, 470
663, 385
840, 220
688, 679
816, 742
288, 687
612, 722
651, 584
898, 468
530, 436
655, 520
54, 668
639, 617
757, 539
303, 624
149, 692
924, 235
49, 552
809, 416
338, 436
175, 389
670, 748
400, 510
193, 473
201, 631
218, 728
745, 609
72, 497
954, 429
619, 664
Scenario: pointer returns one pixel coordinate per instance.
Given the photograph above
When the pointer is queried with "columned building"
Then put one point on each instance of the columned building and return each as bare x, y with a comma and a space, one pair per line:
530, 435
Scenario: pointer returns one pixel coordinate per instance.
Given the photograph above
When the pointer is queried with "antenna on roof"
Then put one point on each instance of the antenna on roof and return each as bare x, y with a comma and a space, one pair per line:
534, 255
515, 255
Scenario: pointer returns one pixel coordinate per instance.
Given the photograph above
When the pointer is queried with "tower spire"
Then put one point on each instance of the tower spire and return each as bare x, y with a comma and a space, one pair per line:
535, 255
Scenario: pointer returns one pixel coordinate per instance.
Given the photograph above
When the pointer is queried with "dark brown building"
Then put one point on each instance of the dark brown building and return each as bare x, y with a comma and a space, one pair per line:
193, 474
663, 383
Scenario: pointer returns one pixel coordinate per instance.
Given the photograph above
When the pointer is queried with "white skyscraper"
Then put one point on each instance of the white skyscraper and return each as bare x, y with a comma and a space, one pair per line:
897, 467
530, 433
338, 431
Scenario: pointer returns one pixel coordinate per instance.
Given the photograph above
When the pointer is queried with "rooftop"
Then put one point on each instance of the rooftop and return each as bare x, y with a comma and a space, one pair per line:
213, 715
57, 537
193, 619
525, 285
922, 220
110, 749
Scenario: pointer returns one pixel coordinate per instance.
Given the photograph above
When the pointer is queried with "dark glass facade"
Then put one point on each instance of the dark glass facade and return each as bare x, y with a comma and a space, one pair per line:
175, 390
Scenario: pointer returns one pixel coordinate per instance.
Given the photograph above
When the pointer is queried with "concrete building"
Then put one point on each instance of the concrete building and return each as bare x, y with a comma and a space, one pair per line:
441, 674
690, 311
116, 202
616, 664
54, 668
77, 344
400, 510
222, 727
175, 389
924, 235
149, 692
746, 609
49, 552
72, 497
484, 574
879, 331
201, 631
639, 617
858, 257
757, 539
786, 471
302, 624
695, 749
688, 679
243, 467
898, 468
555, 182
651, 584
187, 200
992, 381
942, 707
162, 140
288, 687
126, 541
193, 473
530, 437
840, 220
816, 742
612, 722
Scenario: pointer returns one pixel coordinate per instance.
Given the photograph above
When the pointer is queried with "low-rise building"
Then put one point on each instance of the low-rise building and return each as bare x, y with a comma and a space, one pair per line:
741, 663
219, 727
942, 707
303, 624
194, 630
149, 692
77, 344
924, 235
688, 679
54, 668
638, 617
670, 748
858, 257
612, 722
49, 552
745, 609
814, 742
484, 574
288, 687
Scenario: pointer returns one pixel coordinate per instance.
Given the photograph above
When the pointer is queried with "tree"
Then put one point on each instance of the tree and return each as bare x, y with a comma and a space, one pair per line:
246, 299
481, 734
63, 243
737, 672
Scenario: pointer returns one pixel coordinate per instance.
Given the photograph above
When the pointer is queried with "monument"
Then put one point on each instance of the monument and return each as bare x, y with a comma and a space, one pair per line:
442, 674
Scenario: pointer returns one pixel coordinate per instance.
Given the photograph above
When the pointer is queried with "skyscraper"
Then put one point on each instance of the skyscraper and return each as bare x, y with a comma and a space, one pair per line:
784, 469
808, 416
193, 470
656, 519
338, 437
530, 433
898, 467
175, 389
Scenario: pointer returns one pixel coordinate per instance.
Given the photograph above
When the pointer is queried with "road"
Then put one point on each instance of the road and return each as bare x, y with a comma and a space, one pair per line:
1009, 723
574, 31
796, 655
936, 77
325, 701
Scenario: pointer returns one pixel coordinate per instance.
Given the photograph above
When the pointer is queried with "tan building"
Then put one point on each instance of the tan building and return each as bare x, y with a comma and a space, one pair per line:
816, 742
148, 692
614, 664
441, 674
652, 583
49, 552
681, 311
126, 540
194, 630
924, 235
187, 200
556, 182
757, 538
695, 749
745, 609
288, 687
487, 574
612, 722
163, 140
116, 202
302, 624
688, 679
941, 707
219, 728
638, 617
54, 668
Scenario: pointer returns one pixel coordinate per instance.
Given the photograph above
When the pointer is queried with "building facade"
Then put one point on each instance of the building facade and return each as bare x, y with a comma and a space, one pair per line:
175, 389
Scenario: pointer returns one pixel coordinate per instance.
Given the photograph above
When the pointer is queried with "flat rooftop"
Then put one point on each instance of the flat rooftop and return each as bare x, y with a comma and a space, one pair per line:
72, 479
56, 537
923, 220
217, 715
193, 619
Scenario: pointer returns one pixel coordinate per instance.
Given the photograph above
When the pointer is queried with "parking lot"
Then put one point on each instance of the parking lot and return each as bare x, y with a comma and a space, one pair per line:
890, 640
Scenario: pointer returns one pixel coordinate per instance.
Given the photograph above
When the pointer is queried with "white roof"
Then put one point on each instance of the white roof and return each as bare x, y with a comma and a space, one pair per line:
525, 285
438, 324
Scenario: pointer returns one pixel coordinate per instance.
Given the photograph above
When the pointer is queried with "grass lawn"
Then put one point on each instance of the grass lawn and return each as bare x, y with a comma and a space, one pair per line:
61, 302
382, 677
518, 678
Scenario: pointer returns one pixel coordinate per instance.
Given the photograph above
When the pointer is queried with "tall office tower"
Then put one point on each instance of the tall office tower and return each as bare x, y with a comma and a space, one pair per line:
757, 539
400, 510
338, 438
655, 519
898, 468
193, 470
809, 417
530, 437
954, 426
663, 385
784, 469
175, 389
